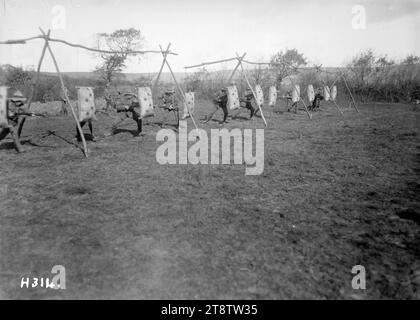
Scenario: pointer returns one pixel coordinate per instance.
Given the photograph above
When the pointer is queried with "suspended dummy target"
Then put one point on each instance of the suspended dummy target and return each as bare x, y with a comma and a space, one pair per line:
272, 96
86, 103
296, 93
327, 93
4, 123
146, 102
188, 105
333, 93
311, 93
259, 95
233, 98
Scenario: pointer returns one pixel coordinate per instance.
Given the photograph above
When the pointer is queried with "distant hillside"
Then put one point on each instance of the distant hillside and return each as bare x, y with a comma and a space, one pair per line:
165, 76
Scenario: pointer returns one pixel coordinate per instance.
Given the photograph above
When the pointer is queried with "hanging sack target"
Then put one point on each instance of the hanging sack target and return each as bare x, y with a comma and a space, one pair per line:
333, 93
146, 102
272, 94
326, 93
311, 93
188, 105
86, 103
296, 93
233, 98
259, 95
4, 123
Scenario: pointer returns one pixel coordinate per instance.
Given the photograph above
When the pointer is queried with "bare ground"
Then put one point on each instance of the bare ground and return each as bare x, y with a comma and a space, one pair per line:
336, 192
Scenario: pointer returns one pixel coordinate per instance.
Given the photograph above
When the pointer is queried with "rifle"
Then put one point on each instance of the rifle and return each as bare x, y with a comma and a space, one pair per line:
29, 114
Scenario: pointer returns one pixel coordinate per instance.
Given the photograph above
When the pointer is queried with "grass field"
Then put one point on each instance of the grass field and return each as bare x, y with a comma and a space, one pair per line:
336, 192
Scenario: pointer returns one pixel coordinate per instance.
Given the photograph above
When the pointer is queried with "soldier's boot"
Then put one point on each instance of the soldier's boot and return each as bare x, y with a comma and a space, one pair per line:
16, 141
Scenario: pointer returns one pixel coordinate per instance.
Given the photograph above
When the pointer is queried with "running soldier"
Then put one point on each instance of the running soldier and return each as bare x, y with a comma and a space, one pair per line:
220, 101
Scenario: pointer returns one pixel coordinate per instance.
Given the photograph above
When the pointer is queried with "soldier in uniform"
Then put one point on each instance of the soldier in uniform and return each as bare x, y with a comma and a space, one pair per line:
293, 105
170, 103
15, 109
220, 101
63, 100
248, 97
132, 107
317, 100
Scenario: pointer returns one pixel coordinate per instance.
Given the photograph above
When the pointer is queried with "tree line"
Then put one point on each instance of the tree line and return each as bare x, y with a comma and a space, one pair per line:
371, 77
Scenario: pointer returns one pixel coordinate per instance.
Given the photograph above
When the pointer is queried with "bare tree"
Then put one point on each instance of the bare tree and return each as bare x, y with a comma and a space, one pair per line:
123, 40
111, 66
286, 63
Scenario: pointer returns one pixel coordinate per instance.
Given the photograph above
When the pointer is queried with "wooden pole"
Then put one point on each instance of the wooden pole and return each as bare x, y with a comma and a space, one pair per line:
303, 102
335, 103
158, 76
34, 88
63, 87
352, 98
236, 68
23, 41
211, 62
159, 73
253, 92
179, 88
306, 108
161, 67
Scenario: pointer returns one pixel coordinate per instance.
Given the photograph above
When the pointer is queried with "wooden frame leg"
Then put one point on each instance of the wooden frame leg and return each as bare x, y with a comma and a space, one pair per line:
338, 107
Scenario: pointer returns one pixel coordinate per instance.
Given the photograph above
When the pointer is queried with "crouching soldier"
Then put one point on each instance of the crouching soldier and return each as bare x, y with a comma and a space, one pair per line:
247, 102
133, 107
170, 103
317, 100
63, 101
220, 101
12, 111
289, 102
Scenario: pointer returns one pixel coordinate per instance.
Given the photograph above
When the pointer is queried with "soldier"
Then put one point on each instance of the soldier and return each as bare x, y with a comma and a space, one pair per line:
290, 101
317, 100
63, 100
248, 97
132, 108
220, 101
170, 103
15, 110
110, 103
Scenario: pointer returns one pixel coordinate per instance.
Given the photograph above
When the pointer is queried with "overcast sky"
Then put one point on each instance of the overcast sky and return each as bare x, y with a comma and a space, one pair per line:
323, 30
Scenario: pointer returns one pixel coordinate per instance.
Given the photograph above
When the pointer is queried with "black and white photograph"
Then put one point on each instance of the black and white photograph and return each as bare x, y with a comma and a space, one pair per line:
197, 150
